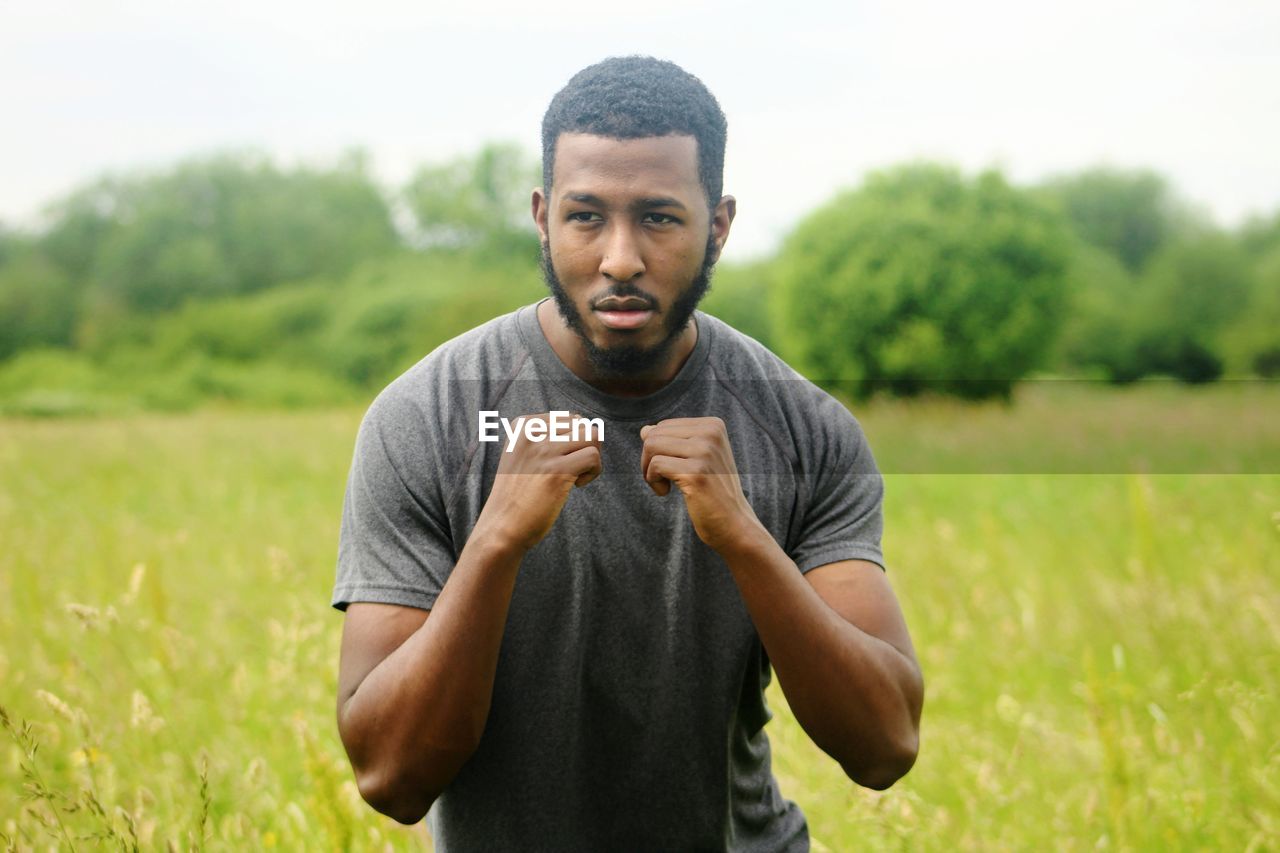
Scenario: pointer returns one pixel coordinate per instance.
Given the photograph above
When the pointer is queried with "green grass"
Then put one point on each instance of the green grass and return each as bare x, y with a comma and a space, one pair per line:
1102, 651
1069, 426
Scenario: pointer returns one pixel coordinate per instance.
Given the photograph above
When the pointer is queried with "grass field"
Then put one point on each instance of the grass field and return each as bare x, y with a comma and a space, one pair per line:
1101, 650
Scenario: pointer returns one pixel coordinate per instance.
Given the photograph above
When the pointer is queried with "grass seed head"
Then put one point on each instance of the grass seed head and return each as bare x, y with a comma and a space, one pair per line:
62, 709
135, 584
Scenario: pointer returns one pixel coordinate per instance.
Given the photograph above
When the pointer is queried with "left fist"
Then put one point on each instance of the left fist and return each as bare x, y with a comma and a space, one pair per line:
694, 453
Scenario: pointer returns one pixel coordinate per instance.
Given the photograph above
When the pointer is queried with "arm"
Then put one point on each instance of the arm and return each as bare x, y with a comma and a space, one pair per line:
414, 686
839, 645
835, 637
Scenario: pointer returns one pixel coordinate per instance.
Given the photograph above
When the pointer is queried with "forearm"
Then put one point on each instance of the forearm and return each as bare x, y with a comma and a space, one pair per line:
856, 695
418, 715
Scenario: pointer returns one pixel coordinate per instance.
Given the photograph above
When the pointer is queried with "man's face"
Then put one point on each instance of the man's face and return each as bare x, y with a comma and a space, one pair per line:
628, 244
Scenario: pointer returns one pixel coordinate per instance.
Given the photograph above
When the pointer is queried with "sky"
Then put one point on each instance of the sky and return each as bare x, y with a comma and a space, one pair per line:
816, 94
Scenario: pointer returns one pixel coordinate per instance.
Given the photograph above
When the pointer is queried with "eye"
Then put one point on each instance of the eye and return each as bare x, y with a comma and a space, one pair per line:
661, 218
583, 216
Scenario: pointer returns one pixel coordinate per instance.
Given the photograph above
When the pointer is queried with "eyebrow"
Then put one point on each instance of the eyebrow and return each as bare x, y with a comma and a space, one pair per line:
638, 204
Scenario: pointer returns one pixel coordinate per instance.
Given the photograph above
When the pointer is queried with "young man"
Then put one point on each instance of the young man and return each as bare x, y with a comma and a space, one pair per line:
564, 644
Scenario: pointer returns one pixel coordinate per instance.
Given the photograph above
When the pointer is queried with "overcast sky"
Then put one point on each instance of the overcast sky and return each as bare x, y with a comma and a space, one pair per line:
815, 93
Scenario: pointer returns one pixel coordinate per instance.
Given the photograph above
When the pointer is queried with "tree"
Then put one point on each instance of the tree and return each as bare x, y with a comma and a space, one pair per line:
217, 226
1131, 214
36, 305
923, 280
478, 201
1100, 333
1260, 236
739, 296
1190, 295
1252, 343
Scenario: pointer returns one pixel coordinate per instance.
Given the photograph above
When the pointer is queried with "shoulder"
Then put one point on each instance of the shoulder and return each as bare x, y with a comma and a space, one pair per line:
808, 415
457, 372
426, 414
736, 355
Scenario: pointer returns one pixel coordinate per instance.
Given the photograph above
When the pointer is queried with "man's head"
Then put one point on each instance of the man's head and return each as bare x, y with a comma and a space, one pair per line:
630, 213
632, 97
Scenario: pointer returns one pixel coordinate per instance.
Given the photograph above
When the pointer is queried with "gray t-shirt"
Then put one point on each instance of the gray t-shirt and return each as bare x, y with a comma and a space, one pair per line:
628, 708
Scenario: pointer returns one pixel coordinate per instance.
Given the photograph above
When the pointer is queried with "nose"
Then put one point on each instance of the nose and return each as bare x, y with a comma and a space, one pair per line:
622, 260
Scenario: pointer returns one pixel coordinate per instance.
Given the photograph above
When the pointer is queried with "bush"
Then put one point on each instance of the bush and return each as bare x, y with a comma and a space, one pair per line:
740, 296
37, 303
51, 369
1267, 363
1098, 334
218, 226
390, 315
923, 280
312, 343
1189, 296
1251, 342
49, 382
246, 328
1129, 214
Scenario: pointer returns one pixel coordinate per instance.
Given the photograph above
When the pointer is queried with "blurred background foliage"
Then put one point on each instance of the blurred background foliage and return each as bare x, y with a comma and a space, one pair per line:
230, 278
923, 280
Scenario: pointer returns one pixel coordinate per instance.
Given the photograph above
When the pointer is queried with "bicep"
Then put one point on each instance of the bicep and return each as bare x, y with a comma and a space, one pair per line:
370, 633
860, 592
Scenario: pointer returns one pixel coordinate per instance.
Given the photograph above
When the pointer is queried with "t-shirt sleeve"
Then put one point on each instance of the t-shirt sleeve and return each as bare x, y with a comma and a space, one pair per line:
394, 546
843, 516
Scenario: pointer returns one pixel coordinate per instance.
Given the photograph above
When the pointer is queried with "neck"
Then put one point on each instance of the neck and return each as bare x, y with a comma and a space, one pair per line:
568, 346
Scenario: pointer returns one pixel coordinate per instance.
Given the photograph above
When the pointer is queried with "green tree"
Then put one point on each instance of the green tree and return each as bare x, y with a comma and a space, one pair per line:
1260, 236
478, 201
923, 280
80, 225
1252, 342
1189, 296
36, 304
740, 296
1100, 334
1131, 214
10, 243
217, 226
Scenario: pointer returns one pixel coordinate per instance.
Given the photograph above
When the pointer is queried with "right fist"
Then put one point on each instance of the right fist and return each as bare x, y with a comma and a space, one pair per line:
533, 482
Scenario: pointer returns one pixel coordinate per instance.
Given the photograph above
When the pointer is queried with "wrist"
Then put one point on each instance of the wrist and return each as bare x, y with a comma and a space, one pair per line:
747, 539
495, 542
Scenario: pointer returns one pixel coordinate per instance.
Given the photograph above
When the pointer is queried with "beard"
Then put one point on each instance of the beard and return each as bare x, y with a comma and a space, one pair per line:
631, 360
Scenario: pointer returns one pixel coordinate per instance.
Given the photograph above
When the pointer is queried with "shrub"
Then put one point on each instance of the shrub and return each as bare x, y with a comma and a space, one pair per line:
923, 280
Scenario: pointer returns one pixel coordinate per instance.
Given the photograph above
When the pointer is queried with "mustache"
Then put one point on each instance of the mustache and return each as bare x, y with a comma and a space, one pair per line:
620, 290
625, 289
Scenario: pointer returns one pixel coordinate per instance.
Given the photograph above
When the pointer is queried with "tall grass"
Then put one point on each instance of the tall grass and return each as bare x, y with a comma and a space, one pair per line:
1102, 652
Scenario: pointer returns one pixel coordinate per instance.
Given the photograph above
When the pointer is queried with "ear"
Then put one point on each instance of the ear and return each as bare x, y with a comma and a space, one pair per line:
721, 220
540, 208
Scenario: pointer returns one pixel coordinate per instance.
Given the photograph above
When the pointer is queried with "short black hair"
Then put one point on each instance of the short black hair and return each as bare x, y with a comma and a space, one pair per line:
633, 97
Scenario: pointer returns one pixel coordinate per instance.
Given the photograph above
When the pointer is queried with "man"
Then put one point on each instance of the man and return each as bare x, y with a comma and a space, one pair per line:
564, 645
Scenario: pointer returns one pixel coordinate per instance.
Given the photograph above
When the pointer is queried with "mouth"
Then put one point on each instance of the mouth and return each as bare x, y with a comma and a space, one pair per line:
625, 312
